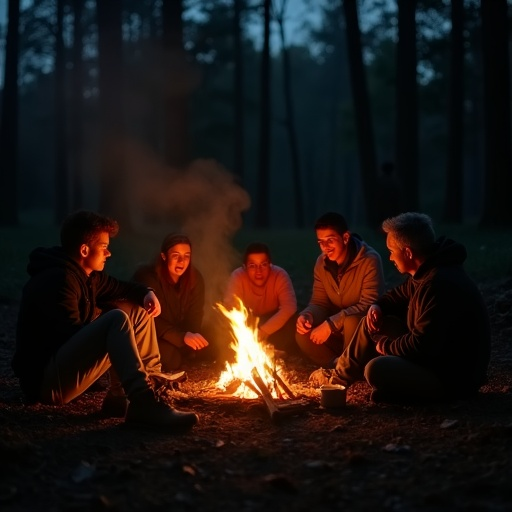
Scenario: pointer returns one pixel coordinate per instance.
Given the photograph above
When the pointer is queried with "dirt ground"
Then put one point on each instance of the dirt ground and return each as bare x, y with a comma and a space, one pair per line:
363, 457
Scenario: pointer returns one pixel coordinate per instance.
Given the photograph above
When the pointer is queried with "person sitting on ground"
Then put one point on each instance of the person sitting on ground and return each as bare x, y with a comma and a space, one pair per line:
75, 322
348, 278
429, 337
180, 288
267, 292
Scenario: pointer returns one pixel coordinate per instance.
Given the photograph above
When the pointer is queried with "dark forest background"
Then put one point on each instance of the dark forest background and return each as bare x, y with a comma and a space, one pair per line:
156, 111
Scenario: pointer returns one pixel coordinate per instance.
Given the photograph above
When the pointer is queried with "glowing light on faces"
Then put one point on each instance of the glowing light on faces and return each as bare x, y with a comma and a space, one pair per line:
397, 255
96, 254
332, 244
178, 259
258, 268
328, 242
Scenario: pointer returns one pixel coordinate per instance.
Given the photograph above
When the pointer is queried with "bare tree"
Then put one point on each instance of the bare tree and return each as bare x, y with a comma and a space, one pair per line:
238, 6
364, 124
406, 151
262, 212
497, 151
9, 122
113, 198
76, 128
453, 202
290, 118
176, 132
61, 167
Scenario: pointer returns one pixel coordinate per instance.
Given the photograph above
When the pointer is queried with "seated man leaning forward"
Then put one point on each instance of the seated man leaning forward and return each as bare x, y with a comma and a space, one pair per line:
348, 278
75, 322
266, 290
428, 338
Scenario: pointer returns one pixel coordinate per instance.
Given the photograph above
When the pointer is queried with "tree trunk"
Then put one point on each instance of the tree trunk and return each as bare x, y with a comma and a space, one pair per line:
453, 206
363, 118
497, 151
61, 167
77, 122
406, 151
113, 197
239, 91
262, 213
176, 90
9, 122
290, 124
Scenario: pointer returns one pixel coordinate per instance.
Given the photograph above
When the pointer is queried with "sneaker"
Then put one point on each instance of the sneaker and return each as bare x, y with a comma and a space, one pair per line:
170, 380
324, 376
146, 410
114, 405
164, 384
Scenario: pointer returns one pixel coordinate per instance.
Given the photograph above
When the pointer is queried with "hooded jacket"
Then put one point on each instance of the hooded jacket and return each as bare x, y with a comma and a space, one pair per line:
360, 285
57, 301
447, 319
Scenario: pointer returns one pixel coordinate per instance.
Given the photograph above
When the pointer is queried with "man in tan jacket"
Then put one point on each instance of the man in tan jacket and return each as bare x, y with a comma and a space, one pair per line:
348, 278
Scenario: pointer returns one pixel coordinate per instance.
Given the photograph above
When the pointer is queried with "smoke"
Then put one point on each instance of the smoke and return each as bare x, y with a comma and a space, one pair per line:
204, 201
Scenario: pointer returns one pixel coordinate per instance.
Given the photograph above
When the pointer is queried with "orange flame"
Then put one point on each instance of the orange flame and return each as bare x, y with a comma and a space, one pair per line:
248, 351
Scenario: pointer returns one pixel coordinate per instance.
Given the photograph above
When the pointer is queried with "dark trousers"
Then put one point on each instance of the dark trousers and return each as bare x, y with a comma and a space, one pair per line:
392, 375
325, 354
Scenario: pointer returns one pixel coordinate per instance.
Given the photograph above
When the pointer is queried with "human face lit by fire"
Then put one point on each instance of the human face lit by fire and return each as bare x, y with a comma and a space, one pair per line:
94, 255
401, 257
332, 244
177, 259
257, 267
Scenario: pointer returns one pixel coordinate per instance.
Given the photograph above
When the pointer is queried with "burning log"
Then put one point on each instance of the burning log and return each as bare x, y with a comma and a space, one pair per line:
272, 407
276, 408
280, 382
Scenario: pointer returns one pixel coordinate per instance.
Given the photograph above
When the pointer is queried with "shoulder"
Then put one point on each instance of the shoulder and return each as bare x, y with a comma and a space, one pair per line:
238, 274
279, 271
367, 252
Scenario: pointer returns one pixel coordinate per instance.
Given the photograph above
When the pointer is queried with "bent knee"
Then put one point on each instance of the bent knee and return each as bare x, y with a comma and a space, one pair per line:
118, 319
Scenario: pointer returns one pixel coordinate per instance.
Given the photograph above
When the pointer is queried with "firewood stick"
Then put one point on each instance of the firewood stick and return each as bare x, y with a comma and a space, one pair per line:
272, 407
281, 382
253, 388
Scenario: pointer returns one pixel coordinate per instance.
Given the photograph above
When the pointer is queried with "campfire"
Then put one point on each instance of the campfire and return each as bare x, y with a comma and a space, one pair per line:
255, 373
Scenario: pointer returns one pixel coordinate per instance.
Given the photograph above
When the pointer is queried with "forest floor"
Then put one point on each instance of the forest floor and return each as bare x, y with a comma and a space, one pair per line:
363, 457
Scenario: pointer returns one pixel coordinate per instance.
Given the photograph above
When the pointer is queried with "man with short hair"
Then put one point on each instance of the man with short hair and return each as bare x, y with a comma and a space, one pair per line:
75, 322
348, 278
429, 337
266, 290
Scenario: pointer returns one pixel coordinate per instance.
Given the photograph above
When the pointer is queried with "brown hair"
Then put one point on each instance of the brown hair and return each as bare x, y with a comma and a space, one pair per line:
83, 227
256, 248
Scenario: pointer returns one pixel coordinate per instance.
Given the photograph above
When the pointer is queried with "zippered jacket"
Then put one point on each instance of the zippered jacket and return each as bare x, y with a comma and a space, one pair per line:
359, 286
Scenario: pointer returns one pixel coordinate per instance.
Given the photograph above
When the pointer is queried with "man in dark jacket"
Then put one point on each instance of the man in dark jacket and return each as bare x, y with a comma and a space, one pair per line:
428, 338
75, 322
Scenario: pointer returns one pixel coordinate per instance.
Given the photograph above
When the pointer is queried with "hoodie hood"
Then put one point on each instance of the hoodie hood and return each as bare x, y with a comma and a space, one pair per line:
447, 252
43, 259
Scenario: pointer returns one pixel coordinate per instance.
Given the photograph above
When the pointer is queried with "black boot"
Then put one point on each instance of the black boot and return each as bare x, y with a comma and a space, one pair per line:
144, 409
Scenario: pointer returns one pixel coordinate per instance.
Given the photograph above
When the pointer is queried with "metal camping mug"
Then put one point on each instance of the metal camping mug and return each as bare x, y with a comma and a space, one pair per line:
333, 395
